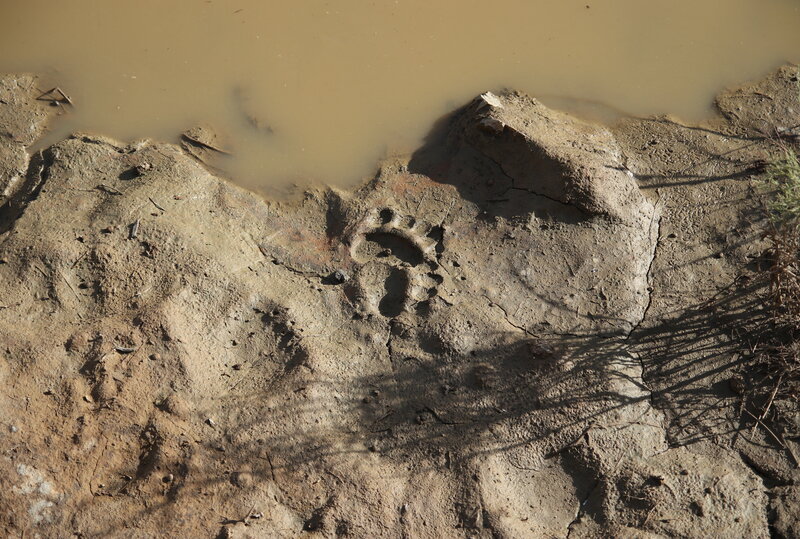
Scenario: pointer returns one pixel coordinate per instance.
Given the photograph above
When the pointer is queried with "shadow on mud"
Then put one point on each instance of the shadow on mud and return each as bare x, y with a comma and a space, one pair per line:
448, 157
531, 401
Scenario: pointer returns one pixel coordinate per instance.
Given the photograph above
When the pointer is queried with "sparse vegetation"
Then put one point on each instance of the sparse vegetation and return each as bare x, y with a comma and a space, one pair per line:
781, 355
782, 179
783, 176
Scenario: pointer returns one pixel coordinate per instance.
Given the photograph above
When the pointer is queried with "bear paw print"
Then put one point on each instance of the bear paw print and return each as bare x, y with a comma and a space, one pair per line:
397, 262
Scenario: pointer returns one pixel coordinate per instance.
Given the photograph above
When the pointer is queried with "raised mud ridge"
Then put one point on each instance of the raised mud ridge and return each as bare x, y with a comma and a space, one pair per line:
522, 330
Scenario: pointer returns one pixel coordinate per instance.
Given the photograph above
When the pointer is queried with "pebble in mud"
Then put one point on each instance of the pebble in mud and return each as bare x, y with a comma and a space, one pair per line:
339, 277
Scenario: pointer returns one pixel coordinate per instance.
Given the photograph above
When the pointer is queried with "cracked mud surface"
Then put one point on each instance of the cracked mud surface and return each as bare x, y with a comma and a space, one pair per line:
525, 329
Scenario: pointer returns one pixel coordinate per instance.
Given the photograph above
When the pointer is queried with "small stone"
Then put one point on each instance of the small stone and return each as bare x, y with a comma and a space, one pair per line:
210, 422
168, 478
155, 357
492, 100
88, 398
339, 276
237, 367
13, 429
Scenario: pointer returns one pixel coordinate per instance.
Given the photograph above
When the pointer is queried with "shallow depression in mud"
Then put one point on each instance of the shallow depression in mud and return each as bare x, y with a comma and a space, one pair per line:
319, 90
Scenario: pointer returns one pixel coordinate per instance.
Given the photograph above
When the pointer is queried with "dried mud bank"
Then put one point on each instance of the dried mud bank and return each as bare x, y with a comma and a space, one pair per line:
529, 328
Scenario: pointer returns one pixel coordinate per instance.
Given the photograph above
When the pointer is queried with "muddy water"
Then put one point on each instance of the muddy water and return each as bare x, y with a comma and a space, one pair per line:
318, 90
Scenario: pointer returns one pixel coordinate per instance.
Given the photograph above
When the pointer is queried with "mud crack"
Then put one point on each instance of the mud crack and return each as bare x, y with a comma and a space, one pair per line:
514, 186
655, 219
581, 506
506, 317
307, 274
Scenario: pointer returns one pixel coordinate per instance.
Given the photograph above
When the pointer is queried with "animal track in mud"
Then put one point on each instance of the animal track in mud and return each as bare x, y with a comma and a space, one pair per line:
397, 255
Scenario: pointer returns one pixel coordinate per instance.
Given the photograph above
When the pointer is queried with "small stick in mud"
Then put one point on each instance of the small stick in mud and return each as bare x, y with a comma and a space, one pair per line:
45, 93
197, 142
64, 96
761, 423
54, 100
769, 404
78, 260
245, 519
108, 189
156, 204
134, 230
790, 451
70, 286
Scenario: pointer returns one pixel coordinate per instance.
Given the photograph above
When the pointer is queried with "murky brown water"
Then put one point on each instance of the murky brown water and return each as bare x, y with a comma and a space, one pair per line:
321, 89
